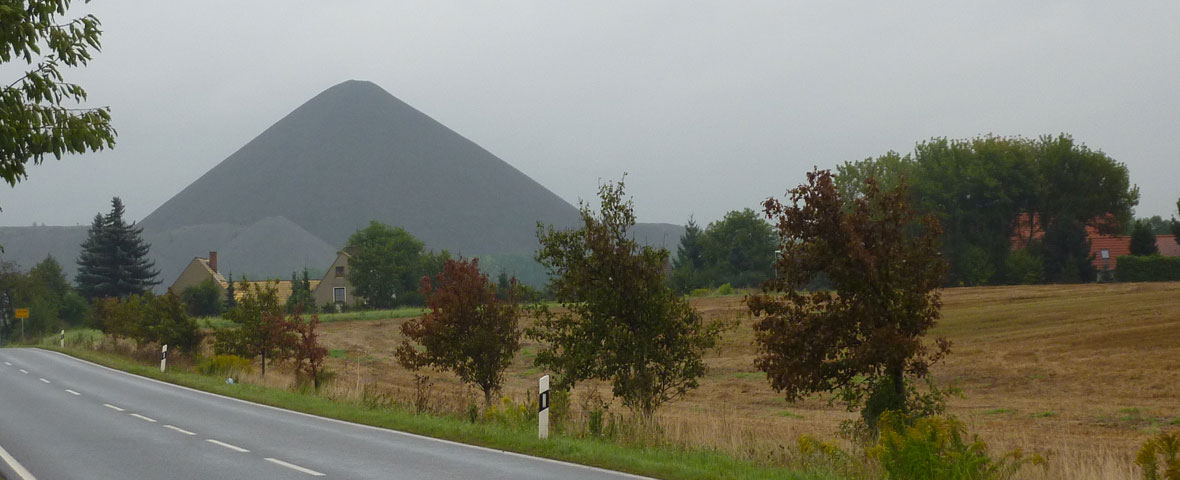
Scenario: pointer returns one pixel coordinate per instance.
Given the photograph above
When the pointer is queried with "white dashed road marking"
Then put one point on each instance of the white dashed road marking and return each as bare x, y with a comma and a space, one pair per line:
8, 363
292, 466
226, 445
178, 429
26, 372
46, 381
112, 407
141, 417
72, 392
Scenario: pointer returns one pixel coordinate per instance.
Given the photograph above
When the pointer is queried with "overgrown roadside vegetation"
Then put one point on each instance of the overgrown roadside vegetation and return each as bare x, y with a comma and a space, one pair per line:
497, 431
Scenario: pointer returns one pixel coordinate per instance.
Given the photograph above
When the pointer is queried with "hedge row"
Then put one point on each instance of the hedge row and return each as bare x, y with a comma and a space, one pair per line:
1153, 268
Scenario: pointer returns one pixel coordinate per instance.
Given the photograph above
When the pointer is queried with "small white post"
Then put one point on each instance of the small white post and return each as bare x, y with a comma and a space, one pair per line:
163, 357
543, 410
63, 339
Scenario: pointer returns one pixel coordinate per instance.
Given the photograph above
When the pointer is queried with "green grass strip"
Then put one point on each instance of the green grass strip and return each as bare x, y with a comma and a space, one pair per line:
666, 462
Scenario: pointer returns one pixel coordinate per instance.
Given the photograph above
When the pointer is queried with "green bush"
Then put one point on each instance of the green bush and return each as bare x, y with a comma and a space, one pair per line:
225, 366
725, 289
204, 299
700, 292
1025, 268
934, 448
1151, 268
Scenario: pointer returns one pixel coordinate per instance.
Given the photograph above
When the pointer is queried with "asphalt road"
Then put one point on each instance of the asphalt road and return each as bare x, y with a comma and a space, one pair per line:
62, 418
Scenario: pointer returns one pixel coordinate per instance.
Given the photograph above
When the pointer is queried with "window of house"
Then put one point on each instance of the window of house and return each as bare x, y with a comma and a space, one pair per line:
338, 295
340, 271
1105, 254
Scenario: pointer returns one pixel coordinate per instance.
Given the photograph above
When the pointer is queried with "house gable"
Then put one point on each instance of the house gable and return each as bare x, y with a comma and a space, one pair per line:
326, 292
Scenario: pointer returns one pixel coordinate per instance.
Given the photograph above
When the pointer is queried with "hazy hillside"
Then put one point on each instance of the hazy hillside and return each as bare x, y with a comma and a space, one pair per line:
291, 196
354, 153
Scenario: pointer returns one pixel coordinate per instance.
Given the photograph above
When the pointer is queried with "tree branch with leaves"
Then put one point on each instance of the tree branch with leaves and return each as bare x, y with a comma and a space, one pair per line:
37, 113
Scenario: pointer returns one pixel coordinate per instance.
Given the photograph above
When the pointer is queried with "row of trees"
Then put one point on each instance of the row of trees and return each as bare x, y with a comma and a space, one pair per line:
622, 324
619, 322
988, 191
52, 302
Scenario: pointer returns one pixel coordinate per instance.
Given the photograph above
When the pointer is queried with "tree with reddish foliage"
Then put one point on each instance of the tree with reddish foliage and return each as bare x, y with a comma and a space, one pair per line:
309, 355
468, 330
261, 329
865, 338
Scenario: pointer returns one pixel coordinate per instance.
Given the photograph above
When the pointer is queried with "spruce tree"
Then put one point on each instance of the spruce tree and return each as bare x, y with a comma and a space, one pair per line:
91, 270
114, 259
231, 299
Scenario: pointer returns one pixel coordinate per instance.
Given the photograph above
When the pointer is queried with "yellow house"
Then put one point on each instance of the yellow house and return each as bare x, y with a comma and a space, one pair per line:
201, 269
197, 271
334, 287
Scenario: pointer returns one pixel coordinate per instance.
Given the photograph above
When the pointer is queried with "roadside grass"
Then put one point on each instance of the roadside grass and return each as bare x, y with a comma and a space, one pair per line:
659, 461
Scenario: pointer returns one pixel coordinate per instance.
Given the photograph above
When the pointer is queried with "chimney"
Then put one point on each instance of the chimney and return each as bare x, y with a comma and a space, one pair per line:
213, 261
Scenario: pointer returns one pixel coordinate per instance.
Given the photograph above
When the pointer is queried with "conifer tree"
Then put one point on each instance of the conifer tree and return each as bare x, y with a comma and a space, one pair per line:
231, 299
114, 259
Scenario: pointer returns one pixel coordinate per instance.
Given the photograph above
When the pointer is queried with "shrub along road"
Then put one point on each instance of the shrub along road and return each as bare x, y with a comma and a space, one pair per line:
66, 418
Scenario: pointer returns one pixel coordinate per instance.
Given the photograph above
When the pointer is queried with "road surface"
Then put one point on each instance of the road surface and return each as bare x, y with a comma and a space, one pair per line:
62, 418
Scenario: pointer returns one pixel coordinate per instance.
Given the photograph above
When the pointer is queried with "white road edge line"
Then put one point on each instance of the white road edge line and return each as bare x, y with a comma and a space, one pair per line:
141, 417
112, 407
72, 392
226, 445
292, 466
26, 372
352, 424
178, 429
46, 381
19, 469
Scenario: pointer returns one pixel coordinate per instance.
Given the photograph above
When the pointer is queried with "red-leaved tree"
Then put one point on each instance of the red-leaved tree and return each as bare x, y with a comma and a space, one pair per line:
865, 336
309, 355
467, 331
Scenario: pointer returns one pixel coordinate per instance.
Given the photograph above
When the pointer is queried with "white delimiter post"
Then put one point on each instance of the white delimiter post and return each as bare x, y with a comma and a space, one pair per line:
63, 339
543, 410
163, 357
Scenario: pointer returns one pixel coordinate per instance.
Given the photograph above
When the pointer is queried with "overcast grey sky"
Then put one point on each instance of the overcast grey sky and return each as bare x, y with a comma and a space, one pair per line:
710, 106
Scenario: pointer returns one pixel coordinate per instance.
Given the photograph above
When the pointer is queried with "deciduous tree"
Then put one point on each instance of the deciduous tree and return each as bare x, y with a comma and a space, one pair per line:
38, 111
387, 263
867, 336
621, 323
468, 331
309, 355
260, 329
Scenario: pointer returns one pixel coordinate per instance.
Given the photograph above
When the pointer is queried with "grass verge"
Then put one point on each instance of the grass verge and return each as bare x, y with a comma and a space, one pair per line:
667, 462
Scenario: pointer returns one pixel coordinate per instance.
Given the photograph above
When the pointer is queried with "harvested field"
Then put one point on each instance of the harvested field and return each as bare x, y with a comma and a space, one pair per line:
1079, 373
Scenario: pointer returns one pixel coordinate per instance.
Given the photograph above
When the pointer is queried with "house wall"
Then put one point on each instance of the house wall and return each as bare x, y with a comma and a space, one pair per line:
195, 273
323, 292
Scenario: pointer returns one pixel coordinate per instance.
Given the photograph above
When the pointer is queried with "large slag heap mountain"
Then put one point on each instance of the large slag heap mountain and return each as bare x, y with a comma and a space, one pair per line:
291, 197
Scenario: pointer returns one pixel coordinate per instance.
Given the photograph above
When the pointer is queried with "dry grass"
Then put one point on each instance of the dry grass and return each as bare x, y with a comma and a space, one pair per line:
1081, 374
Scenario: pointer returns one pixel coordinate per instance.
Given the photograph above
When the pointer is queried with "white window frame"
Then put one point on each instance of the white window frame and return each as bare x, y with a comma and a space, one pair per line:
1106, 254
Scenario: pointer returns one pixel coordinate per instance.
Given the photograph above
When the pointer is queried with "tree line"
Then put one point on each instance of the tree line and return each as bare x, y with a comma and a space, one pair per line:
991, 192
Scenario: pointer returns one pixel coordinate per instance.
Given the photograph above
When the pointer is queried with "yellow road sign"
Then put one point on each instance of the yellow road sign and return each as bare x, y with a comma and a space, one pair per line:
21, 313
